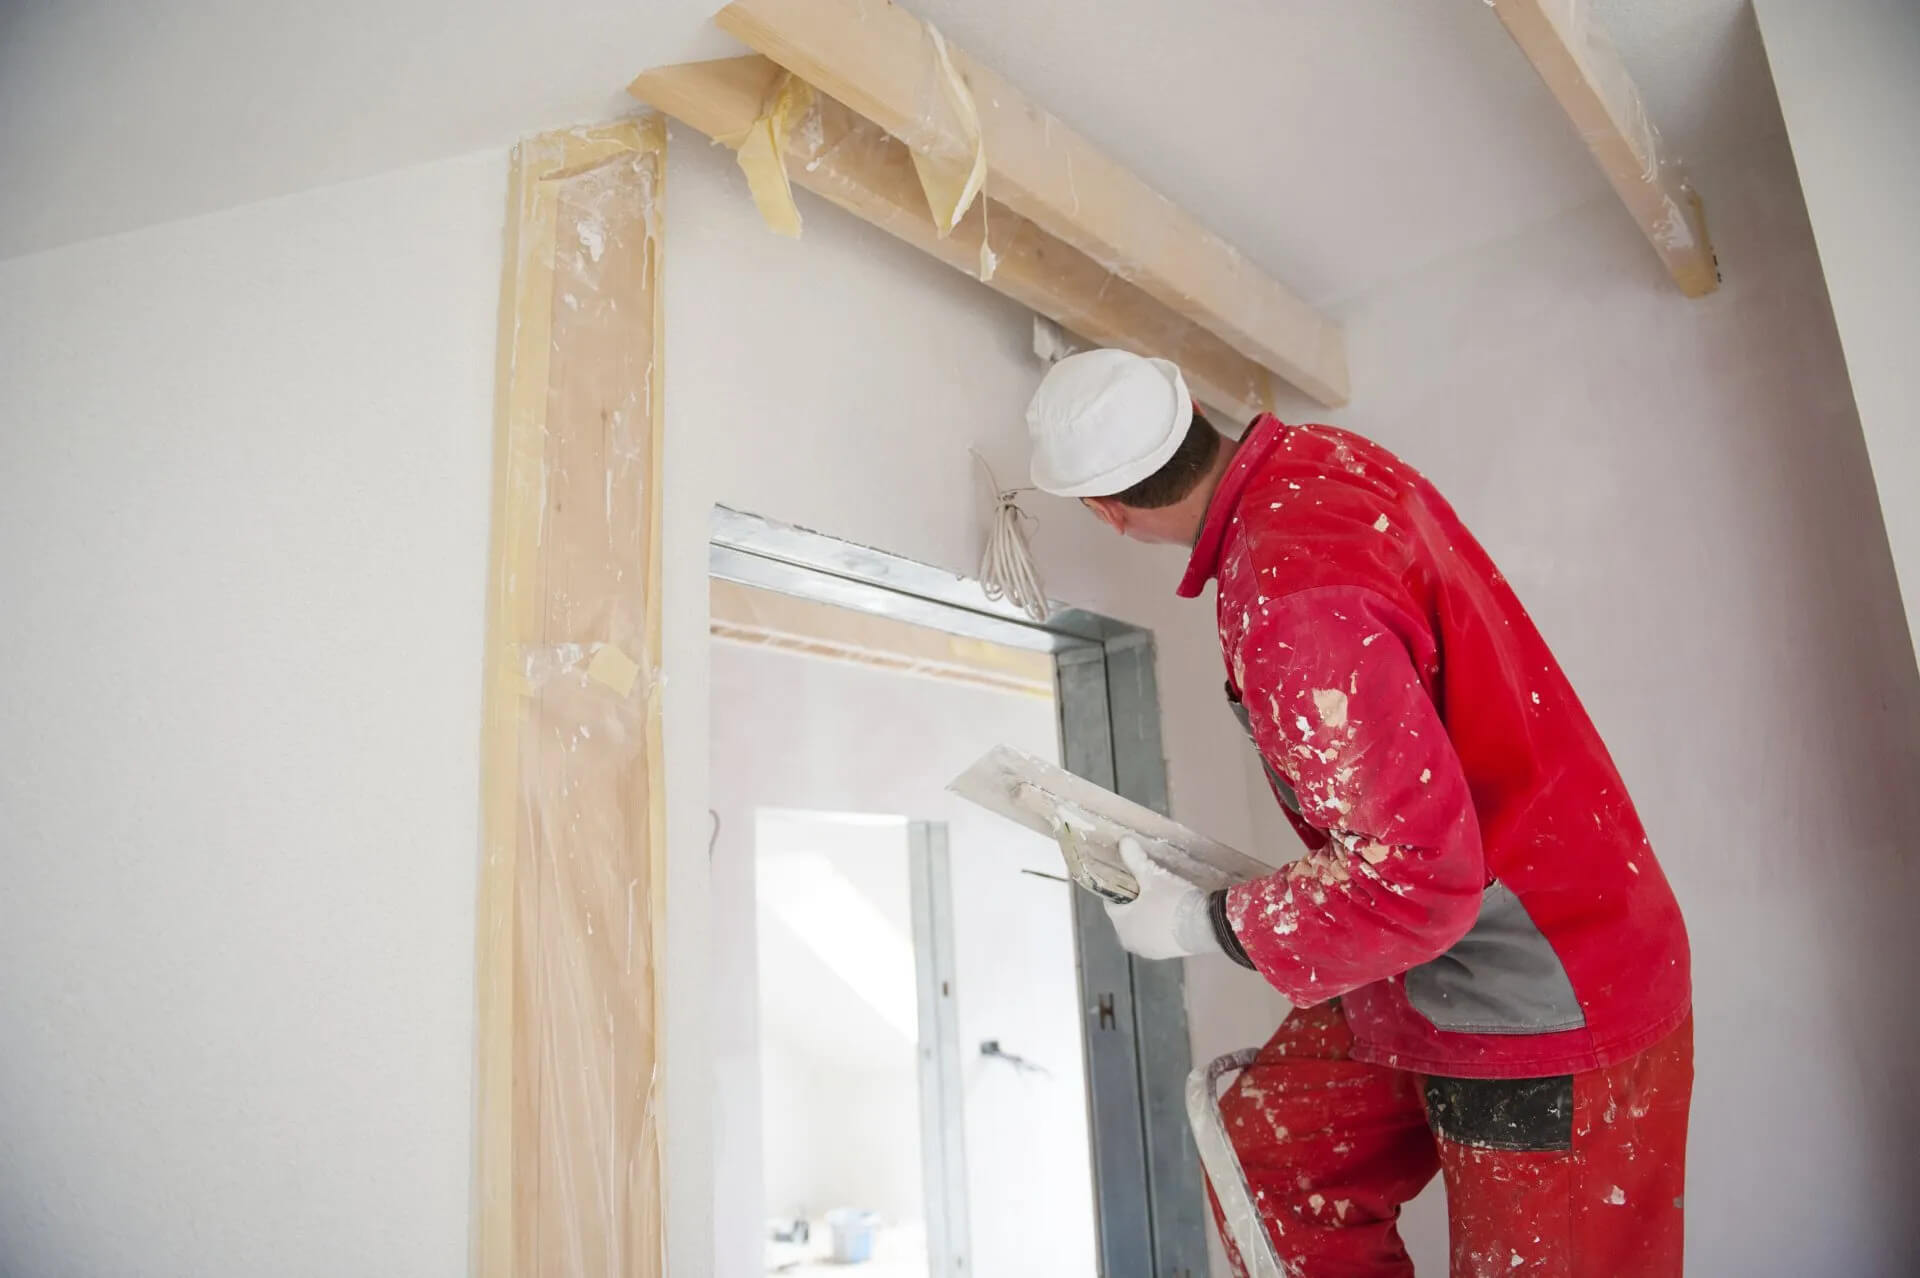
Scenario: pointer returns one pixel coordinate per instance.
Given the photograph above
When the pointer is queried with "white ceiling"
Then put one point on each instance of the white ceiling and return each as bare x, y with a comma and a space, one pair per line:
1341, 143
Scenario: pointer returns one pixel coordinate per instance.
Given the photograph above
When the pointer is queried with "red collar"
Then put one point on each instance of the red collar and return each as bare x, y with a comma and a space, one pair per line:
1259, 440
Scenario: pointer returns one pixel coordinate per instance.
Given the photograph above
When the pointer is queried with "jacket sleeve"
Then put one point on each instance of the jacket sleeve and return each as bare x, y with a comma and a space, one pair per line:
1336, 704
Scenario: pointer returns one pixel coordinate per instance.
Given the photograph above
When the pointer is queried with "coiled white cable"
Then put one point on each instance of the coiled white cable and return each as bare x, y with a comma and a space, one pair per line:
1007, 569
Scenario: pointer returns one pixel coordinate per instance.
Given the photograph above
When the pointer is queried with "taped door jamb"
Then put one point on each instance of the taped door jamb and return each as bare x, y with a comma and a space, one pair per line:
567, 1168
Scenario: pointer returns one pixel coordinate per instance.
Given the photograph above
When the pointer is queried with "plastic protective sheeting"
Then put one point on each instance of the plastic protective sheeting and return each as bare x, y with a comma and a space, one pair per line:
1593, 50
873, 55
568, 1177
954, 168
951, 171
840, 155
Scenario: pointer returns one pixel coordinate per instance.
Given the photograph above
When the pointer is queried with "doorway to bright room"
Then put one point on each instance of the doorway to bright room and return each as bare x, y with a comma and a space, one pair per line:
901, 1078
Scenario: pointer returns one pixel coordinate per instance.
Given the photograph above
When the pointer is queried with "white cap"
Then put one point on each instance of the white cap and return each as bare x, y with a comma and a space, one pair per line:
1104, 420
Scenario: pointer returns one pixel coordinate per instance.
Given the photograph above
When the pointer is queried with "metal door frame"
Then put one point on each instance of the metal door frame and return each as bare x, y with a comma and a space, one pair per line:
1150, 1201
943, 1140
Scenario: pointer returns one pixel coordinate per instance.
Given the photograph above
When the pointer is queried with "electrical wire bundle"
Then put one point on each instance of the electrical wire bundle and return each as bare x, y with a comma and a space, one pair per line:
1007, 569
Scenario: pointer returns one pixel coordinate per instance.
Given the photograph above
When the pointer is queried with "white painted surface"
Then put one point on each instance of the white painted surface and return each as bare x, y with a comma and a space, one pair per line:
836, 1005
244, 469
851, 739
1319, 124
1848, 75
1679, 492
134, 114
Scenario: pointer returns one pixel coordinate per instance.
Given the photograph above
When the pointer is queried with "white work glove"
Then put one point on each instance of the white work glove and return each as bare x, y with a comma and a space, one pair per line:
1169, 918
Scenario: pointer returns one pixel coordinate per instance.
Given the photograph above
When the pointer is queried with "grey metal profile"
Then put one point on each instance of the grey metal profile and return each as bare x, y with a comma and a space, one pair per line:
943, 1152
798, 561
1115, 1107
1175, 1182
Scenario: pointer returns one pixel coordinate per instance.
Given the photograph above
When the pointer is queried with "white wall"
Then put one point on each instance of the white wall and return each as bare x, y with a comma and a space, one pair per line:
837, 1034
817, 1161
244, 472
852, 739
1680, 494
1848, 75
792, 1133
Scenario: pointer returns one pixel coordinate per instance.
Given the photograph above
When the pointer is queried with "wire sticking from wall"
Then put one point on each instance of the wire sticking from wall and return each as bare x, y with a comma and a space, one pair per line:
992, 1051
1007, 569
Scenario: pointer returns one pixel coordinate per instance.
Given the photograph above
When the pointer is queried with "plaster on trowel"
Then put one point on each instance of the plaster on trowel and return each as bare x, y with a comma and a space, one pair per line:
1088, 821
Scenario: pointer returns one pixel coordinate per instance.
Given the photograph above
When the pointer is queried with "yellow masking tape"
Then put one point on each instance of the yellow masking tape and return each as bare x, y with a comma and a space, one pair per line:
761, 152
613, 668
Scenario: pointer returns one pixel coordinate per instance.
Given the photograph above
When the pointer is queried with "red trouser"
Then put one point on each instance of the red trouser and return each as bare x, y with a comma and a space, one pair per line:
1577, 1177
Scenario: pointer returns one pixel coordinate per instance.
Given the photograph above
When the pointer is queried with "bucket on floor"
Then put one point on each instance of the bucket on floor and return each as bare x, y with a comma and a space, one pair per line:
852, 1235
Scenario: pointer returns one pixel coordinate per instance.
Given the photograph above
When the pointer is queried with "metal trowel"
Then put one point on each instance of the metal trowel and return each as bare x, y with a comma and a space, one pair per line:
1088, 821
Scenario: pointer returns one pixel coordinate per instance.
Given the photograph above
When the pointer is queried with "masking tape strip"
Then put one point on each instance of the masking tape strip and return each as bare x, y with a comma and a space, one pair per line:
614, 668
761, 153
950, 181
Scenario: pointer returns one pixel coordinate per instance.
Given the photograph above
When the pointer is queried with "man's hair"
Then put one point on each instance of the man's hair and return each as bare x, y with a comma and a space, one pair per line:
1181, 473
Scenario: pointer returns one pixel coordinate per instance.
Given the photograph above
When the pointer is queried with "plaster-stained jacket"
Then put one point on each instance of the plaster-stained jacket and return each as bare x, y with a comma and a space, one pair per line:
1477, 886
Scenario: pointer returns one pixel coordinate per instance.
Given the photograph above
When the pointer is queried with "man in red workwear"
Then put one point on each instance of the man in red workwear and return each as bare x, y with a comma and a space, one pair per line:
1488, 967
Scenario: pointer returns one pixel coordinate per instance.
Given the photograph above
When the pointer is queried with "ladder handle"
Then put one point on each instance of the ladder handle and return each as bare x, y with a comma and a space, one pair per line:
1223, 1168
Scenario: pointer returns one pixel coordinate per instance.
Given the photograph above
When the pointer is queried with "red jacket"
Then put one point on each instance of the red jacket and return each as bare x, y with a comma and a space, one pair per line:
1477, 887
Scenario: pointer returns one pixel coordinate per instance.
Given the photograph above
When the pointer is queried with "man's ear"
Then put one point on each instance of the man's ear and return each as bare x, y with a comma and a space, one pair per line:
1110, 512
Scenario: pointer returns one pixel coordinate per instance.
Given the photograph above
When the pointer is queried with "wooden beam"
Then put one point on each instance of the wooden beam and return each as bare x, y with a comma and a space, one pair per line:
567, 1159
855, 164
1584, 72
880, 60
747, 615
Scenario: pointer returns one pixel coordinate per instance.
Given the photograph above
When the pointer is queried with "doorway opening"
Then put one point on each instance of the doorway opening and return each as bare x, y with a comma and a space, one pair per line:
931, 1057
